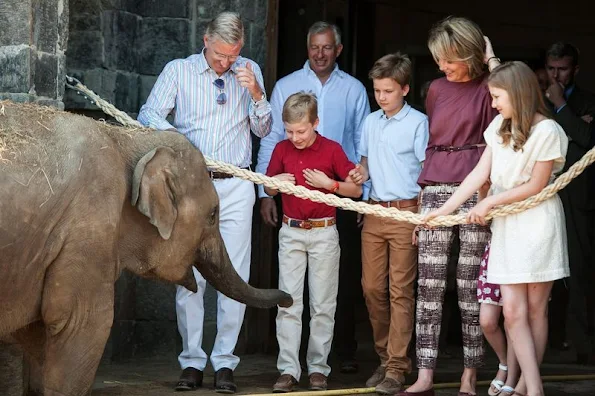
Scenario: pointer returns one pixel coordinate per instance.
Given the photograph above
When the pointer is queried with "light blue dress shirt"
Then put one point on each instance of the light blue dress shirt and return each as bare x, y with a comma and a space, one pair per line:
342, 107
395, 148
221, 132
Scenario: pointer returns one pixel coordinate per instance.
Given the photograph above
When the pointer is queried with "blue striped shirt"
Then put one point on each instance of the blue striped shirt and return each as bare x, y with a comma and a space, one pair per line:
342, 107
222, 132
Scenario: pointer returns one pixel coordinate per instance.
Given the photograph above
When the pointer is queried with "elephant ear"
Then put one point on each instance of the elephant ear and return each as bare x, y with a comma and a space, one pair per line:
154, 189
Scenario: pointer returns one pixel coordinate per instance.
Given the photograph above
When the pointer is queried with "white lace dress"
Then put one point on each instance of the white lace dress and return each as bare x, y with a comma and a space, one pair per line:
529, 246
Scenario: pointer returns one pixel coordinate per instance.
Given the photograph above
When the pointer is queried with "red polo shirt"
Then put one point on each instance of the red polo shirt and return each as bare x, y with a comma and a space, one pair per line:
325, 155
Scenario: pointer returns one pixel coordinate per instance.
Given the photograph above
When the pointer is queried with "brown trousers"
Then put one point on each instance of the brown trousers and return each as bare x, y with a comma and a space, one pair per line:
389, 268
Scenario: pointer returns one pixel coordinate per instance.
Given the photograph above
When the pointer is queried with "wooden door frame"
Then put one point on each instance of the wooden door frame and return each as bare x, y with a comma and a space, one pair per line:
272, 45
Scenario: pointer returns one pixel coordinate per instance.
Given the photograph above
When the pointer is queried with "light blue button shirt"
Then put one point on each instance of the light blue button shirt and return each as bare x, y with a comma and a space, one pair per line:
342, 107
395, 148
222, 132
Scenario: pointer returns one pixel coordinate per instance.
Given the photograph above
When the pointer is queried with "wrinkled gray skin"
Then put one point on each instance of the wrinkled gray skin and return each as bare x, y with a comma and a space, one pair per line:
79, 202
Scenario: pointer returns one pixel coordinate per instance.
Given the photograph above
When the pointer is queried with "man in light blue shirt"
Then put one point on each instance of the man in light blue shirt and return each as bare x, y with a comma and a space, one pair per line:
216, 98
342, 107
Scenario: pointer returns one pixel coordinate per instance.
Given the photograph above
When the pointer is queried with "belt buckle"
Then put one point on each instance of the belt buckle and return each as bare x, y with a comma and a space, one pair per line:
306, 224
211, 174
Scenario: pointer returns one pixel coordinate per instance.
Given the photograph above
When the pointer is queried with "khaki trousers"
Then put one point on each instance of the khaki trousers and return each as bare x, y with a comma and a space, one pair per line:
389, 269
317, 251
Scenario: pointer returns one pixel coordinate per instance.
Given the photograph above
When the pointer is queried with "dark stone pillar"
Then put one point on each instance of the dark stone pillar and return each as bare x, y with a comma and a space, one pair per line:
32, 50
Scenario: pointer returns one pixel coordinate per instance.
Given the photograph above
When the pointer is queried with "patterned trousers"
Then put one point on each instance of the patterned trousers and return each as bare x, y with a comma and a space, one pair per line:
434, 252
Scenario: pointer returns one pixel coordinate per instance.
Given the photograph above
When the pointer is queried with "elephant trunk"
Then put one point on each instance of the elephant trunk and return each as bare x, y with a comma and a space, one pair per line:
220, 273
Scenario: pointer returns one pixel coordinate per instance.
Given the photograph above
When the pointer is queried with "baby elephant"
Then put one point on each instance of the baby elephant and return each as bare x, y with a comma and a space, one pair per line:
80, 201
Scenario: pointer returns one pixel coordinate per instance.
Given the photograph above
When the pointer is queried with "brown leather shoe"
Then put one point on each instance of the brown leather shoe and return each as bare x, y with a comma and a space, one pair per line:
190, 379
377, 377
284, 384
389, 386
318, 381
224, 381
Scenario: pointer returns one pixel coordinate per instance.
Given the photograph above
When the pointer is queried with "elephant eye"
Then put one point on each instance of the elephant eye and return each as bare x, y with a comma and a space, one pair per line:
213, 216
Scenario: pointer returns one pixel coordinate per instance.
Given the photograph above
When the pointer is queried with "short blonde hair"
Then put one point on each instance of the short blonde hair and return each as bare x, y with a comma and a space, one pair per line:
227, 27
458, 39
396, 66
299, 106
526, 99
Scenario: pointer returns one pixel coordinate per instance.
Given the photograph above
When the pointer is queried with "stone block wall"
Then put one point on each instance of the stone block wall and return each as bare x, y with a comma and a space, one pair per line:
118, 47
33, 41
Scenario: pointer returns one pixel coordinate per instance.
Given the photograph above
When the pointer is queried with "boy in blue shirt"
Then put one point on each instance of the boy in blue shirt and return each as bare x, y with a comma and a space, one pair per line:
392, 150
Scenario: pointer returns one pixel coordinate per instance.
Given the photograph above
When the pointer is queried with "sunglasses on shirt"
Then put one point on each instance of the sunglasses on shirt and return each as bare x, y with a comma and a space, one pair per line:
220, 84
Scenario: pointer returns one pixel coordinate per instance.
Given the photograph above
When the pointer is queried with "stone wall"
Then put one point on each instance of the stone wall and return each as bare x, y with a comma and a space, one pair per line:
33, 36
118, 47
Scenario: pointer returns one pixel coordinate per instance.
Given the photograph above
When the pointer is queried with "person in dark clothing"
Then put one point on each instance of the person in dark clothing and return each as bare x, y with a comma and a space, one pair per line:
574, 109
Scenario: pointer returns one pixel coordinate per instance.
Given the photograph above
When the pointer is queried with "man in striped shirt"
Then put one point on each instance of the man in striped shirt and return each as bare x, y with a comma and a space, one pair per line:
215, 97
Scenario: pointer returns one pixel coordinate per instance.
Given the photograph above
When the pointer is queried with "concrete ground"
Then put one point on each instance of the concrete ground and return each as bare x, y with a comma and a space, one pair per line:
257, 373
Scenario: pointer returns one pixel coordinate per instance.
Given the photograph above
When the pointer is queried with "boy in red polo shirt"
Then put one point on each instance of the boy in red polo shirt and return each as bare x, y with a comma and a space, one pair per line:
308, 239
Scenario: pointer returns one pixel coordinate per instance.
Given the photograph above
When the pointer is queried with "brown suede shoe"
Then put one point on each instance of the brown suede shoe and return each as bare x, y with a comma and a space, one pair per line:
284, 384
318, 381
389, 386
377, 377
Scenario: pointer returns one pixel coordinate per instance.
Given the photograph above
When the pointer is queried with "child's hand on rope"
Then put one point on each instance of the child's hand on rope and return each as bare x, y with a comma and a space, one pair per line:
287, 177
477, 214
432, 215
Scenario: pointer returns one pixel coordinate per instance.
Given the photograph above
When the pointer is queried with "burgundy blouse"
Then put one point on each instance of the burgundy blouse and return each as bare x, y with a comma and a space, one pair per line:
459, 113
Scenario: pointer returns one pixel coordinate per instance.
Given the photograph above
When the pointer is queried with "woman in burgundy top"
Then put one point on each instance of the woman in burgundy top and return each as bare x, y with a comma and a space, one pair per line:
459, 110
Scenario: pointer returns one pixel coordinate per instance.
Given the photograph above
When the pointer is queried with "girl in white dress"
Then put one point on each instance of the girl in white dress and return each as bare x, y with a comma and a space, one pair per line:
528, 252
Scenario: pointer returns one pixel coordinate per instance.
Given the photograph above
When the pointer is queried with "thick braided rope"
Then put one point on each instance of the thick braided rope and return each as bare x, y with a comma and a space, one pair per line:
346, 203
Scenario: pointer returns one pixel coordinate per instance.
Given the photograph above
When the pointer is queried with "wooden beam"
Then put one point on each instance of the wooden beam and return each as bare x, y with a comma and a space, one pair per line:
272, 37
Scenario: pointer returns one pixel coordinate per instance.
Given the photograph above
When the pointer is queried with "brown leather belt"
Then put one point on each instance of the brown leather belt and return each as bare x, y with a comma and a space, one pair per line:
307, 224
400, 203
222, 175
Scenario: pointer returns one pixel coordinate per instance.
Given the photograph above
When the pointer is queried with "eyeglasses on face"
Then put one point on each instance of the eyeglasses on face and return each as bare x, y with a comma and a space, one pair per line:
230, 58
220, 84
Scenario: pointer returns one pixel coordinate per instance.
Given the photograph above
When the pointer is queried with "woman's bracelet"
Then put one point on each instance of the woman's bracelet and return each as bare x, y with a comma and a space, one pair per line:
490, 58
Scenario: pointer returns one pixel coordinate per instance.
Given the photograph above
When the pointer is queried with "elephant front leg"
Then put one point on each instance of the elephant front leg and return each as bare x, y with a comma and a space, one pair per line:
32, 340
78, 319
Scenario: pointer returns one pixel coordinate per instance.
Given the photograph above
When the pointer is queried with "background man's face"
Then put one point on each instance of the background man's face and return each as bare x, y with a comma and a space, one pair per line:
322, 52
561, 70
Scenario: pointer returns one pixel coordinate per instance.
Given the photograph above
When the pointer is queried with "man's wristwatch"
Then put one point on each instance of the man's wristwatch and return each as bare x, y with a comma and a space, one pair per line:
256, 102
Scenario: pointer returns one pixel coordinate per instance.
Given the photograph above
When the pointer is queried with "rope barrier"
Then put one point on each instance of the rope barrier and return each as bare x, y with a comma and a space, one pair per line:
346, 203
